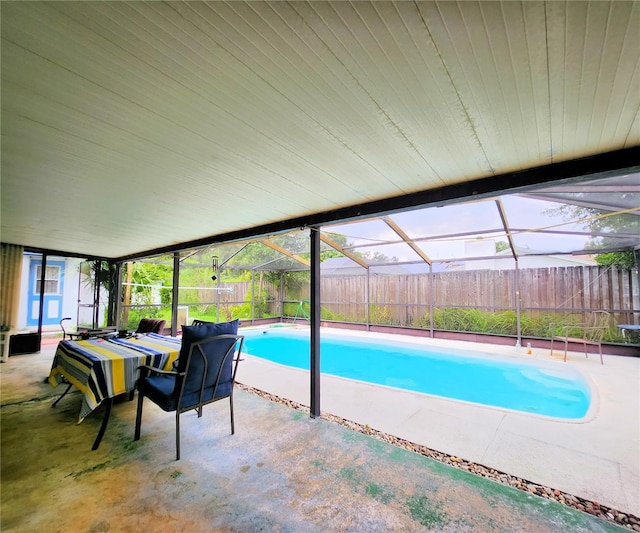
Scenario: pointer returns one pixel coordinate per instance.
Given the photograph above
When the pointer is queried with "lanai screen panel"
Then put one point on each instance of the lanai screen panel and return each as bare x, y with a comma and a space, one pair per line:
374, 240
550, 227
455, 232
542, 227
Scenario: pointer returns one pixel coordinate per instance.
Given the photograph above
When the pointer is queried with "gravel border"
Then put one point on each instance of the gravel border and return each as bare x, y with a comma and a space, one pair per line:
594, 508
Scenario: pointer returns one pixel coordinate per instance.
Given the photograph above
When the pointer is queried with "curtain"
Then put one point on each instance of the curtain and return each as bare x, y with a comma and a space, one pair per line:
10, 276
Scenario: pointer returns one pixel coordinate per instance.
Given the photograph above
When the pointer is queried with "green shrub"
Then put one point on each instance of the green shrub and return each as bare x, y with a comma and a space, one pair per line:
381, 315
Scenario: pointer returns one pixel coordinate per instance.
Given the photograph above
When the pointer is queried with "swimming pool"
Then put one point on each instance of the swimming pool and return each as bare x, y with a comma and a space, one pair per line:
549, 390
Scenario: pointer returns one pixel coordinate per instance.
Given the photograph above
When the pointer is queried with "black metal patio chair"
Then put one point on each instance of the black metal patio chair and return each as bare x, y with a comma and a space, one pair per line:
205, 373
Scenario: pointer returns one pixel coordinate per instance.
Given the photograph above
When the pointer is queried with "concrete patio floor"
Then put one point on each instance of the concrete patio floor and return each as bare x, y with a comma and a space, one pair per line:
281, 471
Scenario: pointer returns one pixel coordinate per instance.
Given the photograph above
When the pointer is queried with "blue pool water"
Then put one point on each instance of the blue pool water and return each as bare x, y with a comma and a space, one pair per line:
550, 390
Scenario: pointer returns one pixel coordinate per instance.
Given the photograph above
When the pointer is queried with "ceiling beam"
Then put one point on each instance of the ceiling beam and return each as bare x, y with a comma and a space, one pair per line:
407, 239
344, 252
284, 251
507, 229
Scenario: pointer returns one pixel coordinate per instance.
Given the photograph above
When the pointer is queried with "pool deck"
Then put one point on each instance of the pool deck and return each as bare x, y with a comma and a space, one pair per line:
596, 458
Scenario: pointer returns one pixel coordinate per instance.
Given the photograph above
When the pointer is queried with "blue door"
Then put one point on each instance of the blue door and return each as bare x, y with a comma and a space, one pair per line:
53, 290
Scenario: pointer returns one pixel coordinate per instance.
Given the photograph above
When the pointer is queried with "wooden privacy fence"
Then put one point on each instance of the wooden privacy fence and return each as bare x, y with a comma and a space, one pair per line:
532, 299
554, 289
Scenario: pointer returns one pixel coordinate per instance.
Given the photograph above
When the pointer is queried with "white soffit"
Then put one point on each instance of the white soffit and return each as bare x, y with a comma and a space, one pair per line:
129, 126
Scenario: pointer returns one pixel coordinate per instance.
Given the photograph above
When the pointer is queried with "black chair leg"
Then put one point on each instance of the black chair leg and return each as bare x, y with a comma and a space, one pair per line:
177, 434
136, 435
233, 429
600, 350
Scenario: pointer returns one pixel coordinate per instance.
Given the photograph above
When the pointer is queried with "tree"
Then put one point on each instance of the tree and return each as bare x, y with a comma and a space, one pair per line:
622, 259
601, 223
236, 262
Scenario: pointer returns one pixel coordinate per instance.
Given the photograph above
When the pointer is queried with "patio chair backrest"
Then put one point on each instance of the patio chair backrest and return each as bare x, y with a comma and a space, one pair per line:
151, 325
598, 323
209, 372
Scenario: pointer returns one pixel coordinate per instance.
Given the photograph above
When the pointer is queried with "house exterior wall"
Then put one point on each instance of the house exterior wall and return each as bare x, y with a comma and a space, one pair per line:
69, 293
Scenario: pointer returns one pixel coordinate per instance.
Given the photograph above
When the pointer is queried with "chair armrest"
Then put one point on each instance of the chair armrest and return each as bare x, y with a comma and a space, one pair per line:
587, 333
597, 333
568, 327
565, 325
561, 329
146, 369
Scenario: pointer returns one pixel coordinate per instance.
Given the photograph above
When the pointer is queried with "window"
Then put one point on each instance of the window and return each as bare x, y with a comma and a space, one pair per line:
51, 280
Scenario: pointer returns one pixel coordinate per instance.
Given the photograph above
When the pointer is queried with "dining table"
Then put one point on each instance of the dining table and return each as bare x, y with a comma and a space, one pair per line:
105, 367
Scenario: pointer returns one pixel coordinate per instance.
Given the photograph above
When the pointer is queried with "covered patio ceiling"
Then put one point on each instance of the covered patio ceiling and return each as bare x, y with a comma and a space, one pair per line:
131, 128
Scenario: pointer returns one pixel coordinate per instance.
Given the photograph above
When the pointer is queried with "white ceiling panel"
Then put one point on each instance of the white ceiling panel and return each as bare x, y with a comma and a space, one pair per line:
496, 57
595, 85
134, 126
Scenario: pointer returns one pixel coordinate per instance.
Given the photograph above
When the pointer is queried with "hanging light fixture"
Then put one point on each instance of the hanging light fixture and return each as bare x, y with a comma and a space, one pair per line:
214, 266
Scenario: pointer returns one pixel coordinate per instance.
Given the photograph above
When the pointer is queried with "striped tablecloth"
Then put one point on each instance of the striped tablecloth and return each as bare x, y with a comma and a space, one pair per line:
104, 368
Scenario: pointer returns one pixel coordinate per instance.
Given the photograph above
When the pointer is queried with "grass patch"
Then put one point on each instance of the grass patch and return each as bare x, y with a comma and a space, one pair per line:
427, 513
379, 493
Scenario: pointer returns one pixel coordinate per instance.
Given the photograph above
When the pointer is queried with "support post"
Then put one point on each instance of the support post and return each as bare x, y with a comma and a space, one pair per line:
315, 323
97, 270
117, 289
367, 300
431, 298
517, 295
175, 291
253, 296
281, 295
43, 275
216, 273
